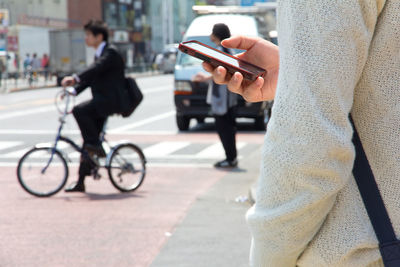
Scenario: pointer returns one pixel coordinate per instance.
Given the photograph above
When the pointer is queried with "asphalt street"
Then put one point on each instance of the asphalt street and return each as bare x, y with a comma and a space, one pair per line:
178, 216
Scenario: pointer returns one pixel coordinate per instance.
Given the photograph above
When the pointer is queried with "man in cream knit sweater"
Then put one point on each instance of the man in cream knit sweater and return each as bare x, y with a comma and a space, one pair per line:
335, 57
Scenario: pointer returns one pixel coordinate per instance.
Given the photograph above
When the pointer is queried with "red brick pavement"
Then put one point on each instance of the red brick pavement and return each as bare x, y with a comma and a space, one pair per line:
100, 228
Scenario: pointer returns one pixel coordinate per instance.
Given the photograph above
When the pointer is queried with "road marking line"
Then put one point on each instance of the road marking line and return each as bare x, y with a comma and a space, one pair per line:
216, 150
19, 153
156, 151
8, 144
67, 132
148, 165
180, 165
15, 154
27, 111
142, 122
164, 148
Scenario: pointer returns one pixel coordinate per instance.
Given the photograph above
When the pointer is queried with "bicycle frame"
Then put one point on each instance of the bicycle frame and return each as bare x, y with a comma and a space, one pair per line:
76, 147
59, 137
121, 159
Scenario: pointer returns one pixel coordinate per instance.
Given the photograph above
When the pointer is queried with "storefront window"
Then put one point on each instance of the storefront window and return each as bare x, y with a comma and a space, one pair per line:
123, 14
110, 14
119, 14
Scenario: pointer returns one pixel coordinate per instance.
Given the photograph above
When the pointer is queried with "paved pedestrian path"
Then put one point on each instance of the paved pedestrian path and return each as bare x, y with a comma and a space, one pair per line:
214, 232
14, 85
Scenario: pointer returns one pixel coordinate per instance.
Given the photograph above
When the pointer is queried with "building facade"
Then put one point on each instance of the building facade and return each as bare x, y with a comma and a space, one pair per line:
79, 12
127, 21
28, 24
39, 13
169, 20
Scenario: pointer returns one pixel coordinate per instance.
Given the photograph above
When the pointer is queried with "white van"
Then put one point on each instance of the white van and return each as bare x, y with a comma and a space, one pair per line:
190, 97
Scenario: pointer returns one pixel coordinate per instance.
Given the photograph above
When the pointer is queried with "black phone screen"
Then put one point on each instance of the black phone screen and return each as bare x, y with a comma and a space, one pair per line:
222, 57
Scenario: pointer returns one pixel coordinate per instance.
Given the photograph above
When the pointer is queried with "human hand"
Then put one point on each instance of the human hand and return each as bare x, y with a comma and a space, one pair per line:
201, 77
258, 52
67, 81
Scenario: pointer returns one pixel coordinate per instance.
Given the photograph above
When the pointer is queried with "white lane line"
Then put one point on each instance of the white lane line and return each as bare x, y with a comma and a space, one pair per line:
142, 122
33, 132
67, 132
16, 154
53, 108
19, 153
164, 148
216, 150
148, 165
155, 132
31, 111
8, 144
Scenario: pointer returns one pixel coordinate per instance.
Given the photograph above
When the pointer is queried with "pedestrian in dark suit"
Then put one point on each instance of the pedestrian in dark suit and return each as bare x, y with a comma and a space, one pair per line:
106, 80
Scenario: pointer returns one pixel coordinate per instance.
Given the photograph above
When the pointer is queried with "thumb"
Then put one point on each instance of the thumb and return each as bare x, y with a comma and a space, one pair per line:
240, 42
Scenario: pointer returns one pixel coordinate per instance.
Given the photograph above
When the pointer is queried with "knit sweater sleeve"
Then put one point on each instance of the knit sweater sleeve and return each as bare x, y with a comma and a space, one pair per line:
308, 155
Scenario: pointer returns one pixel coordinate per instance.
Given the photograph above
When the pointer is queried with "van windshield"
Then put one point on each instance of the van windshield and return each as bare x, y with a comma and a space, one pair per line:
185, 59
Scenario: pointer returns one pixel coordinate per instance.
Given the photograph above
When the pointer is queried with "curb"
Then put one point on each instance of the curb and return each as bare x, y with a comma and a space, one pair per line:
134, 75
14, 90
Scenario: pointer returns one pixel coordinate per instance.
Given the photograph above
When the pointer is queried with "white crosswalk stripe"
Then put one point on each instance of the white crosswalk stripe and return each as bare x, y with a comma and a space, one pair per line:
20, 152
161, 150
164, 148
15, 154
216, 151
9, 144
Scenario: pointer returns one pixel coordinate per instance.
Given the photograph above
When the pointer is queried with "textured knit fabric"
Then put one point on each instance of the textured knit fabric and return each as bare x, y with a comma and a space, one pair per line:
336, 57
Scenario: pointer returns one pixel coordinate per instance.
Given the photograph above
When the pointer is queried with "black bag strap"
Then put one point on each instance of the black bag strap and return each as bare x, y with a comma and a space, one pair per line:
369, 191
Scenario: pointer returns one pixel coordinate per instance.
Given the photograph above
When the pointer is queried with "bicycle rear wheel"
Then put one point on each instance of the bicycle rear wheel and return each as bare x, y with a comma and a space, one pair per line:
41, 172
127, 167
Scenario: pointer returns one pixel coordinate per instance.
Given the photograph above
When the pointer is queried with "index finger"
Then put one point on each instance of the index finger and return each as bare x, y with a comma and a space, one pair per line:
208, 67
240, 42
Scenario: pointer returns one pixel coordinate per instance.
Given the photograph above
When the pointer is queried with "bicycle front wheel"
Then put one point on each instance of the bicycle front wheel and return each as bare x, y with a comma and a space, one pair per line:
41, 172
127, 167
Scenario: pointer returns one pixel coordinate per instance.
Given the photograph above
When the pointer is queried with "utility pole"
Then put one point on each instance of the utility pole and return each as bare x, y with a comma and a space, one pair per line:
167, 14
170, 22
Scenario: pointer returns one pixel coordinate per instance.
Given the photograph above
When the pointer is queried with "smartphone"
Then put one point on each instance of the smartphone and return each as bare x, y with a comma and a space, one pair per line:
219, 58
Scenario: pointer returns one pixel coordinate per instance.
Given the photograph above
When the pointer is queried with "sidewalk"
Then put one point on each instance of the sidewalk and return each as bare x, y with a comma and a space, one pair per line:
13, 85
214, 231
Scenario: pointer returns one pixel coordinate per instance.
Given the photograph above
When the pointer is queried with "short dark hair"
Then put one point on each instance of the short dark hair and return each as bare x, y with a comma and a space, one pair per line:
221, 31
97, 27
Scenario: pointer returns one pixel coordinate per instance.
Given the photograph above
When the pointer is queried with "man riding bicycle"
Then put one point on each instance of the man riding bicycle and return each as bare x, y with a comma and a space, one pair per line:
106, 79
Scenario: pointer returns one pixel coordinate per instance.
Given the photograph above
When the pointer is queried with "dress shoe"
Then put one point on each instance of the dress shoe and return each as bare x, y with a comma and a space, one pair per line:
95, 150
75, 187
226, 163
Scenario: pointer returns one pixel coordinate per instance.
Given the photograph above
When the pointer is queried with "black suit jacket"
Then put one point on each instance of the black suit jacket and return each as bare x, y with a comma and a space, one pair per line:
106, 79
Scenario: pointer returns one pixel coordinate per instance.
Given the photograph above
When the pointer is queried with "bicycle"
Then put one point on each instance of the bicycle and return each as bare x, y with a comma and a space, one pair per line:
43, 170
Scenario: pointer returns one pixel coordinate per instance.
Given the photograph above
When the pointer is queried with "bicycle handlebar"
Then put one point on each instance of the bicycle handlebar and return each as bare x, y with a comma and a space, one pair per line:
65, 95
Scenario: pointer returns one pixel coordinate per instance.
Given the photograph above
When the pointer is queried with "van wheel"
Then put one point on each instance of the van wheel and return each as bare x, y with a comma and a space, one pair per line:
259, 123
182, 122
